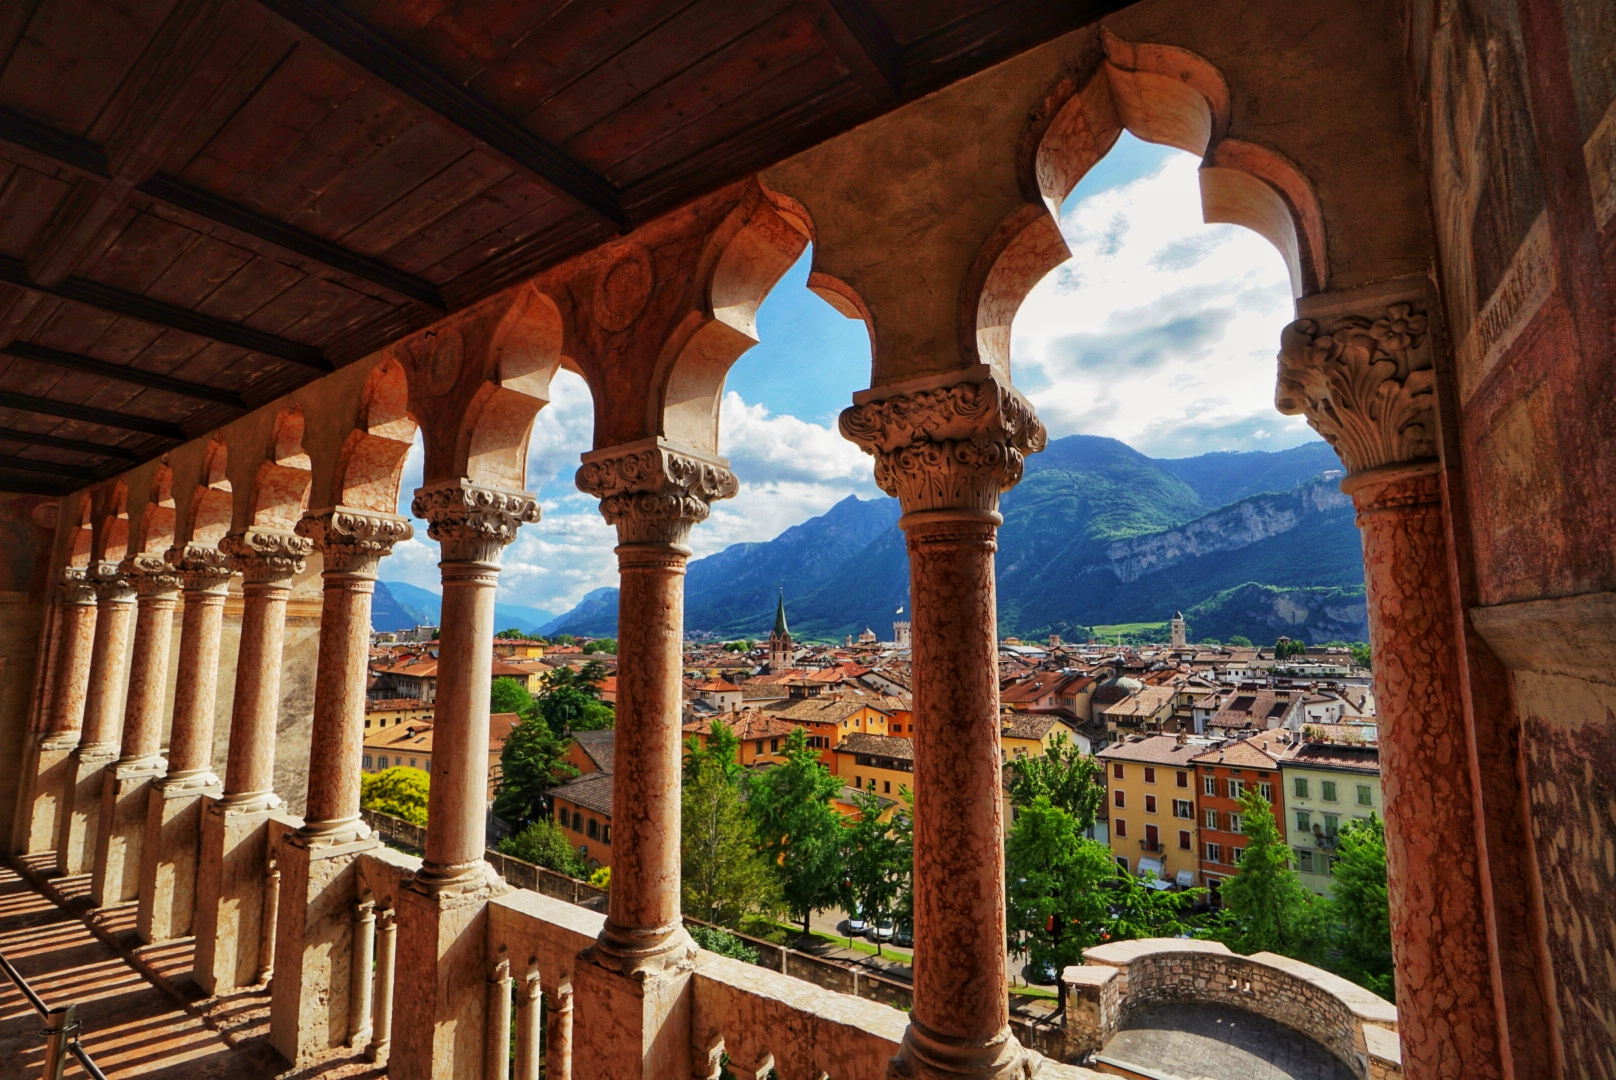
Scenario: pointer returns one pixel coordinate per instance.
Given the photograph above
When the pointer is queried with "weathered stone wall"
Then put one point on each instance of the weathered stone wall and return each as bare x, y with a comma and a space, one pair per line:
27, 530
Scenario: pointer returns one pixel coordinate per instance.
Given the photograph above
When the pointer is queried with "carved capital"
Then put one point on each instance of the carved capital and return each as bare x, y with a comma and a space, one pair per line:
1364, 383
952, 442
353, 541
653, 492
77, 588
473, 524
200, 566
266, 556
151, 575
110, 583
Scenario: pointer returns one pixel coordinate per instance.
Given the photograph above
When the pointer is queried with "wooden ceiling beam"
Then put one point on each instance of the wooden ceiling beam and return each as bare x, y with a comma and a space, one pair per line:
49, 468
19, 486
449, 103
64, 149
43, 354
858, 34
116, 301
77, 446
91, 415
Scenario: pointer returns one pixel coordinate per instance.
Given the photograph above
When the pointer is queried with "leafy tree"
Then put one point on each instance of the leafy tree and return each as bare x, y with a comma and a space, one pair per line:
1285, 648
725, 876
722, 750
1358, 903
1240, 641
530, 765
1266, 908
876, 860
399, 792
513, 634
564, 639
723, 943
1065, 892
601, 645
601, 878
1069, 778
544, 844
1360, 654
1211, 641
570, 700
799, 829
509, 695
739, 646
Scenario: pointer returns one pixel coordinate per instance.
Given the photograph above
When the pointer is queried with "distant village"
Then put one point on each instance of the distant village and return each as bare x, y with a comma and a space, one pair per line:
1180, 730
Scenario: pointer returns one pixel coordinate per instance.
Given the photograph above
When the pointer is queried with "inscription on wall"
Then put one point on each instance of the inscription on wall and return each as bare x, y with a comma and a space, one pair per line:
1526, 284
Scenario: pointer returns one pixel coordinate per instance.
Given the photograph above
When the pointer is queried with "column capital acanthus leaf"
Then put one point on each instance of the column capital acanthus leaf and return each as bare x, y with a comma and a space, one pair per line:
150, 574
266, 556
948, 442
200, 566
77, 588
471, 522
353, 541
655, 491
110, 581
1364, 382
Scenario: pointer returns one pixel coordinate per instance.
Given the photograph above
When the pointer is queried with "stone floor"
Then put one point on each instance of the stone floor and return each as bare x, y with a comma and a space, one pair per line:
1203, 1042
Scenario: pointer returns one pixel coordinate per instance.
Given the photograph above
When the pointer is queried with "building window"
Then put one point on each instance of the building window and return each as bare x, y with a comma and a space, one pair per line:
1304, 860
1365, 795
412, 763
1150, 804
1214, 853
1118, 799
1304, 821
1152, 838
760, 746
1210, 785
594, 829
577, 821
1121, 827
1235, 824
858, 781
872, 783
1236, 854
426, 763
1299, 787
1183, 778
381, 762
606, 834
1266, 791
886, 787
1327, 790
1210, 819
1183, 808
1183, 839
1150, 775
1331, 824
1122, 864
1116, 770
367, 761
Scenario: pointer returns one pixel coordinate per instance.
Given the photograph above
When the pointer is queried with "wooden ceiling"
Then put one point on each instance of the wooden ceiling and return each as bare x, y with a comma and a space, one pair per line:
207, 203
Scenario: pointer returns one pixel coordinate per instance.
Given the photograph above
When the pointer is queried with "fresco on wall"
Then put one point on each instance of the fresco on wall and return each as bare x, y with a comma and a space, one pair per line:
27, 523
1591, 30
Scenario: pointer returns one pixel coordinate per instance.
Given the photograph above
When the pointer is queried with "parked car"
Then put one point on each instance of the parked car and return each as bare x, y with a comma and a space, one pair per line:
855, 923
904, 935
882, 928
1040, 973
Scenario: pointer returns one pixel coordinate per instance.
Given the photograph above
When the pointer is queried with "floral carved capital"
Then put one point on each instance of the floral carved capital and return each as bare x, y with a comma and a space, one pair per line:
654, 492
200, 566
266, 556
77, 588
946, 445
150, 574
1364, 383
354, 541
472, 523
110, 582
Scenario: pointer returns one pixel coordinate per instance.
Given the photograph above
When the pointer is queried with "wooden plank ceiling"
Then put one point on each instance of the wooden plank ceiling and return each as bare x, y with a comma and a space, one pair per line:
207, 203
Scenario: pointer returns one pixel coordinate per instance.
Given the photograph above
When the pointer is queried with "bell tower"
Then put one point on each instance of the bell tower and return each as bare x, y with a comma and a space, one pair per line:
780, 652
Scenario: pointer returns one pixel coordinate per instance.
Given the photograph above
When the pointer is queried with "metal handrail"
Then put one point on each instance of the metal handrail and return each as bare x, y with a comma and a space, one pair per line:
59, 1034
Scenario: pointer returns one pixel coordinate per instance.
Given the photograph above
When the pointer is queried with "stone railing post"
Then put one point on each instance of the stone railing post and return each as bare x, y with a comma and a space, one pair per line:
168, 862
441, 1022
381, 1028
309, 1007
116, 876
558, 1034
946, 446
1364, 382
654, 493
529, 1037
108, 682
64, 711
231, 878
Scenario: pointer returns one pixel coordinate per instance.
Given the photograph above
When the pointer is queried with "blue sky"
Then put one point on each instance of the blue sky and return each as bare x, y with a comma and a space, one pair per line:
1160, 331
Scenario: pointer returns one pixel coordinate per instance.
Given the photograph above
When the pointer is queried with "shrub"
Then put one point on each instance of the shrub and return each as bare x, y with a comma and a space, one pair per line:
723, 943
544, 844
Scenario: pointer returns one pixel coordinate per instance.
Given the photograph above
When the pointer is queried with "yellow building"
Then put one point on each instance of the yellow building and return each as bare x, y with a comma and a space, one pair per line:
882, 764
1150, 795
389, 712
1028, 734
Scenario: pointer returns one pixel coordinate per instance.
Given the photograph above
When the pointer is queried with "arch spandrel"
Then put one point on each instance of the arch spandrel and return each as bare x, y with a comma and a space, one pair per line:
110, 507
280, 487
156, 527
370, 463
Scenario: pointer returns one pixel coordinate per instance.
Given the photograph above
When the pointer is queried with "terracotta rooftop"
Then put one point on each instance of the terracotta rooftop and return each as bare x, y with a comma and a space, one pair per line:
1319, 755
592, 791
826, 710
1154, 750
746, 724
1259, 751
891, 746
598, 745
1030, 725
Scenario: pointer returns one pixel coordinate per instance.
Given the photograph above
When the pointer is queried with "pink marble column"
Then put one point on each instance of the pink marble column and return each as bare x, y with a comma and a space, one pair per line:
310, 1007
946, 446
116, 875
169, 852
103, 721
439, 1025
232, 872
63, 712
1364, 382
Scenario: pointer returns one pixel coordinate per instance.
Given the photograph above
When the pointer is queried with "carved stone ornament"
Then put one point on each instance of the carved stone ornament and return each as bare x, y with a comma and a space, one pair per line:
947, 444
266, 556
151, 575
1365, 384
76, 586
110, 583
200, 566
353, 541
473, 523
654, 491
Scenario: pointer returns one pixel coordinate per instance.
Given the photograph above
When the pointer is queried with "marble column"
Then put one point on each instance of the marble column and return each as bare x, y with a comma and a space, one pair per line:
441, 1023
126, 792
101, 735
310, 1012
946, 446
558, 1034
1364, 382
653, 492
169, 852
51, 755
232, 873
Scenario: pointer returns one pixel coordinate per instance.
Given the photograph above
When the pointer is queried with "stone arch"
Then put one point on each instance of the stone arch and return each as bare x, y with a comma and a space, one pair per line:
113, 541
1165, 95
157, 520
80, 535
746, 256
371, 461
212, 504
280, 491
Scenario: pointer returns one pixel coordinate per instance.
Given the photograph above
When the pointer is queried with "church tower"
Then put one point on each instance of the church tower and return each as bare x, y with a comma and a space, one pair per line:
781, 654
1178, 630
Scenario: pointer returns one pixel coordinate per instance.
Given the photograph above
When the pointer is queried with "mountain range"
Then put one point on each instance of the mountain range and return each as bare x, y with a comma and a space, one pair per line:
399, 605
1253, 543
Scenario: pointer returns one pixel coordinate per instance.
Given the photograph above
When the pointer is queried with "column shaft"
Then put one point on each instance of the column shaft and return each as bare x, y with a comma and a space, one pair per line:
558, 1035
103, 723
196, 693
249, 778
63, 715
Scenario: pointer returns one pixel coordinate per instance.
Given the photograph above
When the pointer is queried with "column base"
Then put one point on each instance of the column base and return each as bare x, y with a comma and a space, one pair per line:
169, 854
122, 831
440, 1001
46, 770
83, 782
314, 948
232, 875
639, 1025
926, 1055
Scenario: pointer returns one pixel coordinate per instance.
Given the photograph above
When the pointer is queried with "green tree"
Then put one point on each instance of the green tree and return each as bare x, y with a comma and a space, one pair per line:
564, 639
722, 749
723, 943
1266, 908
1285, 648
399, 792
1211, 641
1360, 654
530, 764
1359, 907
1240, 641
544, 844
799, 829
1069, 778
725, 876
570, 700
601, 645
509, 695
876, 859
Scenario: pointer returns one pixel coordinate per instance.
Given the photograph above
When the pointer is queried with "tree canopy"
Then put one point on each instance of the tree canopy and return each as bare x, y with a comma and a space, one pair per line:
544, 844
601, 645
799, 829
509, 695
530, 764
725, 877
878, 860
1266, 908
1360, 908
1069, 778
399, 792
570, 700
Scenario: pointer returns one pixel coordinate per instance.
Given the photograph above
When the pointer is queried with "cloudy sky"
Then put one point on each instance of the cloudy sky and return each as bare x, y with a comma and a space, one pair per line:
1160, 331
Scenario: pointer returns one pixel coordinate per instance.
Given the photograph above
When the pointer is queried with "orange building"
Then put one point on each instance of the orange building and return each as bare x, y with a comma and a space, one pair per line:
762, 738
1223, 775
